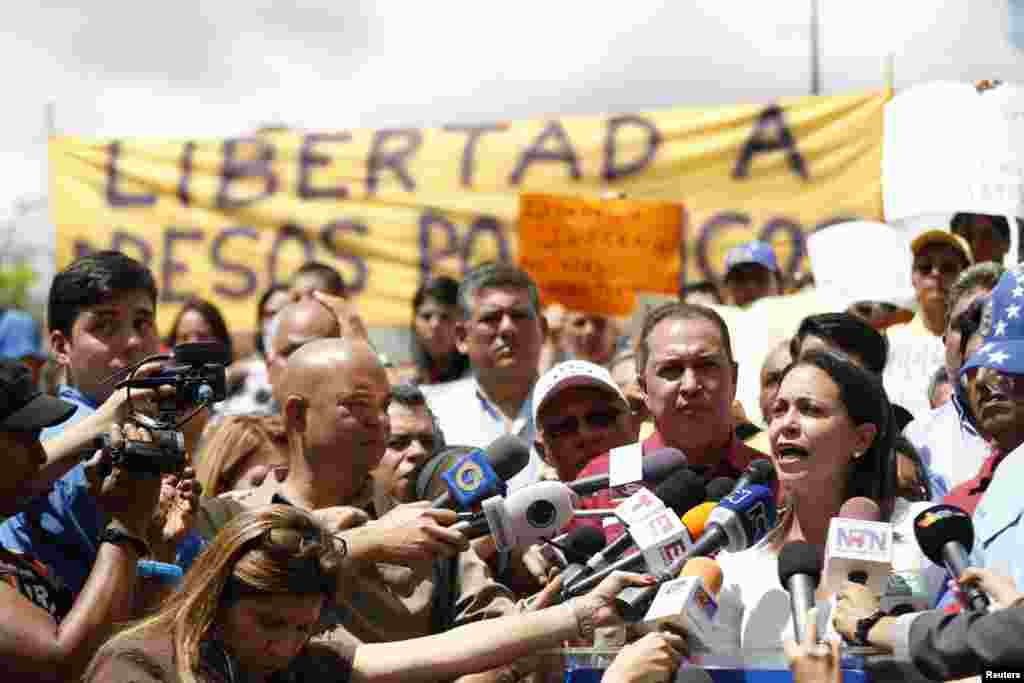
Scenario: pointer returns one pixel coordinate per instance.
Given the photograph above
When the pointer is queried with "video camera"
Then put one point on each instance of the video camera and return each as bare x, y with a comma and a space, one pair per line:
196, 373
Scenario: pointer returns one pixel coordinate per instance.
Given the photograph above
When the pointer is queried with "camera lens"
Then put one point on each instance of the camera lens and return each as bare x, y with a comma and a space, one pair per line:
541, 514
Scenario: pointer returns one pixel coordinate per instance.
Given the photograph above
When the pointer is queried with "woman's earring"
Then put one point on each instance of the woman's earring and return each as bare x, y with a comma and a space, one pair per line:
857, 455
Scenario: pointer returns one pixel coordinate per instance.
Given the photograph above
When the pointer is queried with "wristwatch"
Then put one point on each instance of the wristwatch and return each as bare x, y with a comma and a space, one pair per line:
860, 637
119, 537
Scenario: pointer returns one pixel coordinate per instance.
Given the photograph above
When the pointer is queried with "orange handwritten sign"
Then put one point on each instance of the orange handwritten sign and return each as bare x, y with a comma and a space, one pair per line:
593, 255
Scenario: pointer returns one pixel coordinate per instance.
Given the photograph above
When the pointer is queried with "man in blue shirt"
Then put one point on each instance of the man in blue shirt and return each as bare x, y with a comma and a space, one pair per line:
101, 316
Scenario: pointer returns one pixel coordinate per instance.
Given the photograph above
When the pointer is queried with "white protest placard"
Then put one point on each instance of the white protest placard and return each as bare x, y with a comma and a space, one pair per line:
948, 148
838, 275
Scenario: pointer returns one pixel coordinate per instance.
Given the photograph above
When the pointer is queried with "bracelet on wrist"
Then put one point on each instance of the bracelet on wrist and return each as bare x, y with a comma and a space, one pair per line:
117, 536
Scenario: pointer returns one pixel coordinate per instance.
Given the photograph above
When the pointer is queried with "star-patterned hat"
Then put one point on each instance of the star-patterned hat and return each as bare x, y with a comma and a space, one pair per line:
1002, 326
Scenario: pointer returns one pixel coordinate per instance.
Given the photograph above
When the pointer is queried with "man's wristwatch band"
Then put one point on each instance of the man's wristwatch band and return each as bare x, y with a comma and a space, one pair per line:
118, 537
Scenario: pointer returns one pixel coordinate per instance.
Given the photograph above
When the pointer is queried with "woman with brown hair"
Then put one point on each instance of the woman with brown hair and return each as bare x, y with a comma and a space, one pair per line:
241, 452
247, 609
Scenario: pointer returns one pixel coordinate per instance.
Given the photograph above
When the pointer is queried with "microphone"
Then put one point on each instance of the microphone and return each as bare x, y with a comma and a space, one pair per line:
533, 513
696, 518
740, 520
655, 467
760, 471
681, 491
859, 547
688, 603
477, 475
720, 487
799, 574
946, 536
580, 545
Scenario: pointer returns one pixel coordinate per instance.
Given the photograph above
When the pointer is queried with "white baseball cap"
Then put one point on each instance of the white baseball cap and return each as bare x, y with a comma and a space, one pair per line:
573, 373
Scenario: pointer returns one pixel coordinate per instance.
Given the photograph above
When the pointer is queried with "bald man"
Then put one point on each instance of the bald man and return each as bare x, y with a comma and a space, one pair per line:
295, 325
334, 400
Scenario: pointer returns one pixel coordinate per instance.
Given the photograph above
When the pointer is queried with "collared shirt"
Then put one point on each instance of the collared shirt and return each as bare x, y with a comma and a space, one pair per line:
967, 495
469, 418
950, 447
998, 531
61, 527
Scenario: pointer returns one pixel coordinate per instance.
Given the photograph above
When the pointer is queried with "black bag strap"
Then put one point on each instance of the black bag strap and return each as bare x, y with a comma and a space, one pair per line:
446, 590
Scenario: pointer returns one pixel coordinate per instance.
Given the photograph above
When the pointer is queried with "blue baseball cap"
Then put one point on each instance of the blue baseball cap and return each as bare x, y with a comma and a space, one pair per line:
1002, 327
757, 252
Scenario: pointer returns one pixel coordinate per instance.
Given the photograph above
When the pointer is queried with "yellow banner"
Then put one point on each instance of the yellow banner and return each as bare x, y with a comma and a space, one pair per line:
223, 218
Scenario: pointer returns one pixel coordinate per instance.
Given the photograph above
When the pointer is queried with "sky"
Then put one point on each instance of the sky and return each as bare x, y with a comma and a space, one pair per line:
198, 69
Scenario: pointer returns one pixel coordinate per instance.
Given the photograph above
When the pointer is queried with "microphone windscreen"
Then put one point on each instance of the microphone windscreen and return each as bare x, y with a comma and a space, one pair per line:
696, 518
508, 456
761, 471
429, 484
720, 487
681, 491
583, 543
707, 569
798, 557
861, 508
662, 463
940, 524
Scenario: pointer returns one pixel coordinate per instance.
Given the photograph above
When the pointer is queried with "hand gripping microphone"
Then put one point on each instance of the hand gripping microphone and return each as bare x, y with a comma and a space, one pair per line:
478, 475
531, 514
859, 547
688, 603
799, 573
655, 468
946, 536
680, 492
739, 521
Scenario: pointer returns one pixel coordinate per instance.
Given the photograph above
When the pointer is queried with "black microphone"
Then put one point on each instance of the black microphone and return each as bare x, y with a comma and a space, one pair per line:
507, 455
720, 487
656, 467
946, 535
680, 492
760, 471
799, 574
580, 545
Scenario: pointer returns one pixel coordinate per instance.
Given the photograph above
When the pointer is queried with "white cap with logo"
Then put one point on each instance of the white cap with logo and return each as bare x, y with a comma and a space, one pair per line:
573, 373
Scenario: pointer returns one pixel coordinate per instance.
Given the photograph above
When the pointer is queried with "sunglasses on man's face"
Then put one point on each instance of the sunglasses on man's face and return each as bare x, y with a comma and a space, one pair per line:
569, 425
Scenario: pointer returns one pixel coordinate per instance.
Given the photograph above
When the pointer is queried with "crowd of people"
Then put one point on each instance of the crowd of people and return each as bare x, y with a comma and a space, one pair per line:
299, 543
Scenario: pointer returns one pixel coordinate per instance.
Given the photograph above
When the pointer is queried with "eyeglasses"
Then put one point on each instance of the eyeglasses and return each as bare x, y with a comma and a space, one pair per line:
569, 425
925, 266
1011, 383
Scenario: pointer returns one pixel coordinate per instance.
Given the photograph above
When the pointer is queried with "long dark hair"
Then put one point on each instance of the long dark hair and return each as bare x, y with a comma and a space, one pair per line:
445, 291
212, 315
873, 475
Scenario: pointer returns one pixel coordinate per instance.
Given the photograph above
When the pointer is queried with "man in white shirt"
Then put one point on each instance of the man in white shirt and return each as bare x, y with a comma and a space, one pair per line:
949, 445
501, 331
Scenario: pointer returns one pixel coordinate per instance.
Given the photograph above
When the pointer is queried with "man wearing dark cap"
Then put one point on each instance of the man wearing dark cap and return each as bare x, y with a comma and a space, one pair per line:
751, 273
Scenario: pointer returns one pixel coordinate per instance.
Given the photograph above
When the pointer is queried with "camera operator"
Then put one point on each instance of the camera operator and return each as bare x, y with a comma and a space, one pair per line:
48, 634
101, 316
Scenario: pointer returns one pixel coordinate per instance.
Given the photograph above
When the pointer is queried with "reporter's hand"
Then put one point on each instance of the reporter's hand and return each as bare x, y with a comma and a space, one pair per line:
600, 602
175, 513
537, 566
1001, 588
854, 602
129, 498
351, 324
652, 659
811, 661
340, 518
415, 532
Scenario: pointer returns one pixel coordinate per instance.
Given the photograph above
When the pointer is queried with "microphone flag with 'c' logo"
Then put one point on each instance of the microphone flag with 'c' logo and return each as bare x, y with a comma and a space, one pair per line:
472, 479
